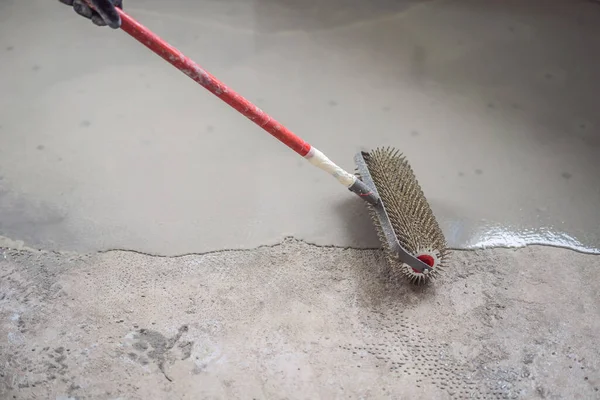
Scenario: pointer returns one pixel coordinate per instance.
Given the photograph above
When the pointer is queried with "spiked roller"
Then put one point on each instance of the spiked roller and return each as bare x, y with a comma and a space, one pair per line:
411, 237
413, 241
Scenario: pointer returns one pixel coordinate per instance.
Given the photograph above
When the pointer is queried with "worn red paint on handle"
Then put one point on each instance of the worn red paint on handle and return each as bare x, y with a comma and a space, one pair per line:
198, 74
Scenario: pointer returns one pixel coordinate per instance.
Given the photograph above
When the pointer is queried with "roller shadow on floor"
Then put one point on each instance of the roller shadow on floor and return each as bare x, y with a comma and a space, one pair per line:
358, 226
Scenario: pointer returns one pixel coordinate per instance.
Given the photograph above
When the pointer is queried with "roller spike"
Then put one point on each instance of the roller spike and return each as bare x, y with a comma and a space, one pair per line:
409, 213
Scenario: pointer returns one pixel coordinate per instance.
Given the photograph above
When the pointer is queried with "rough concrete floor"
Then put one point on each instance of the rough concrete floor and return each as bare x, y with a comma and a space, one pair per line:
297, 321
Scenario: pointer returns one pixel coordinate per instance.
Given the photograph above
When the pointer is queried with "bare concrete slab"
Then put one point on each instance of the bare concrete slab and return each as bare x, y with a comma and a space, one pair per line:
104, 146
297, 321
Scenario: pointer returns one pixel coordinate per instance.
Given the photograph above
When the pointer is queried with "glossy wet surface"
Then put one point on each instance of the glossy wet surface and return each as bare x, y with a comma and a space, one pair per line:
103, 145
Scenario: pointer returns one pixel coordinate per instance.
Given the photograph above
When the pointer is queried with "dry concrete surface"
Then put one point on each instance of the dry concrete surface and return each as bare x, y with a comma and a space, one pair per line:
298, 321
155, 245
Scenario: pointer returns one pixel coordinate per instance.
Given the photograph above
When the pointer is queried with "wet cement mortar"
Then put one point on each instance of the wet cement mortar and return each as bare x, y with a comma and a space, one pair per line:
297, 320
493, 103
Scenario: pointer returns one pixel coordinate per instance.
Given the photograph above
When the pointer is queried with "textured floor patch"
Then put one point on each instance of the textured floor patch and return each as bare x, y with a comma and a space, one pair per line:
299, 321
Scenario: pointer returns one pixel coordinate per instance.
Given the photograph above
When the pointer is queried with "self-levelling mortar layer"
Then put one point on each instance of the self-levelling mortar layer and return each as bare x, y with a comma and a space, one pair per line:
104, 145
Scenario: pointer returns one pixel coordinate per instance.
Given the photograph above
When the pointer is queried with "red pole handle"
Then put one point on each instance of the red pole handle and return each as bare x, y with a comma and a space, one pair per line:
198, 74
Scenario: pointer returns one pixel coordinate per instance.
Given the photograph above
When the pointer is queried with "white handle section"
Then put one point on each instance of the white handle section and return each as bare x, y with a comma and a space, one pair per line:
318, 159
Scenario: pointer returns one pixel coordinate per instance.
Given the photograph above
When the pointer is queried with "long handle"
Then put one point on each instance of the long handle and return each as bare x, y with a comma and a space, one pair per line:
242, 105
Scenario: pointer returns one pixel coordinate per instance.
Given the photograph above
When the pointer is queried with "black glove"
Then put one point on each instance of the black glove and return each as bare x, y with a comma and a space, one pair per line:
105, 14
